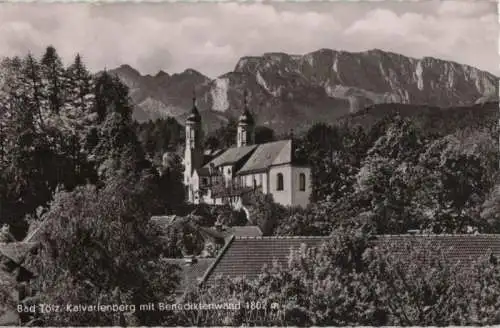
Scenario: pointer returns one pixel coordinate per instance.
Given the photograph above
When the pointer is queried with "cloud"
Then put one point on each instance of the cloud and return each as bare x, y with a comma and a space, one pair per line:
456, 33
212, 37
464, 8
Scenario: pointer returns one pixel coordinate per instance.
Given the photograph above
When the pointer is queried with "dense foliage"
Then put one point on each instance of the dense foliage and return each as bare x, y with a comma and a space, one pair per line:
160, 136
397, 176
97, 244
347, 281
73, 166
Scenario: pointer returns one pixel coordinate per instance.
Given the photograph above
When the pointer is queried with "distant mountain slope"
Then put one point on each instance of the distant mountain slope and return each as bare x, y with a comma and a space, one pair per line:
431, 119
288, 91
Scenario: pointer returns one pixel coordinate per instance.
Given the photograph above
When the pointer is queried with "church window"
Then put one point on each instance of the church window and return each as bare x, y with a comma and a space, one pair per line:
279, 181
302, 182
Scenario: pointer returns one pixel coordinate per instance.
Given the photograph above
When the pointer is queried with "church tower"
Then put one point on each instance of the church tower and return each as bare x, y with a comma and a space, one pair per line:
193, 154
246, 126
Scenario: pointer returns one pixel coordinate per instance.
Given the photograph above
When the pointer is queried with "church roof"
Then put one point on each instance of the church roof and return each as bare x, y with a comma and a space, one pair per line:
231, 156
268, 154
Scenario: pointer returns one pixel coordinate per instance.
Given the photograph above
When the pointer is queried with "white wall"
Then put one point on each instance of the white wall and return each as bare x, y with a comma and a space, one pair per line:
284, 196
301, 198
194, 187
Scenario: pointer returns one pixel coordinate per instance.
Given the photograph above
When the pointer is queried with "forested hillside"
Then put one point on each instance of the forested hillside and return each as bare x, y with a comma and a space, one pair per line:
399, 168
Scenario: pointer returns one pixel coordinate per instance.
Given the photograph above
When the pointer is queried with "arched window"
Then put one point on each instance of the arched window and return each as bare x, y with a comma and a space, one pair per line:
279, 181
302, 182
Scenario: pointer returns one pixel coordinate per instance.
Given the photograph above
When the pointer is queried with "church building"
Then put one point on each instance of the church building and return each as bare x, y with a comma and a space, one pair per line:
223, 176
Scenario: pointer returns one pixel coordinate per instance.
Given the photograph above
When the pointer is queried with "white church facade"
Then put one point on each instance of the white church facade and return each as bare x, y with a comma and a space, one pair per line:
224, 176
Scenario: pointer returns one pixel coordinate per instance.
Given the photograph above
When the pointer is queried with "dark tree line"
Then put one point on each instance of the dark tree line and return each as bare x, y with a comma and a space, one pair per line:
396, 176
73, 165
62, 127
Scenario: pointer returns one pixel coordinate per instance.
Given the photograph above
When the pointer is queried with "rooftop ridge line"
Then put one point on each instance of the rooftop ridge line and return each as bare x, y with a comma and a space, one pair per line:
283, 237
440, 235
207, 273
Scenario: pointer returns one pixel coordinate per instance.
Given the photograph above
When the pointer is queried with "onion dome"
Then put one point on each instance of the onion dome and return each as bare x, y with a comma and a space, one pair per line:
246, 117
194, 116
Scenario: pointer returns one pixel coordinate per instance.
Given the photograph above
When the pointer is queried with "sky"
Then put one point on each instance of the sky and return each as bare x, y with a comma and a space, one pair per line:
211, 37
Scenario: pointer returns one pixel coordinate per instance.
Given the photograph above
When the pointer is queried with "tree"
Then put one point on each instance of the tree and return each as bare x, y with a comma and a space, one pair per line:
111, 96
79, 86
264, 212
425, 287
264, 134
96, 246
53, 80
461, 173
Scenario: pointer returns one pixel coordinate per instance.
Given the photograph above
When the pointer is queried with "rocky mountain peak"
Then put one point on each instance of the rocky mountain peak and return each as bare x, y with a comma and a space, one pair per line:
127, 70
162, 74
287, 90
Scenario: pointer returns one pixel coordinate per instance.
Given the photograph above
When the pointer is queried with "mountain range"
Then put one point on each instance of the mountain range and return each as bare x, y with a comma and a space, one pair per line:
293, 91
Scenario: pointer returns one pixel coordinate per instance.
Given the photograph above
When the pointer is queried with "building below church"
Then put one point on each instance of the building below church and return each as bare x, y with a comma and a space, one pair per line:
224, 176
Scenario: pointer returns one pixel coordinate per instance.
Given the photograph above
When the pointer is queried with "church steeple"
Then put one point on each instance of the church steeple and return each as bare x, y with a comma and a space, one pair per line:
193, 154
194, 116
246, 125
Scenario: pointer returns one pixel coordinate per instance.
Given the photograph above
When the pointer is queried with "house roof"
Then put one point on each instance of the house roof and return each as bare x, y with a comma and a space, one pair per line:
238, 231
246, 256
16, 251
463, 248
231, 156
244, 231
190, 273
268, 154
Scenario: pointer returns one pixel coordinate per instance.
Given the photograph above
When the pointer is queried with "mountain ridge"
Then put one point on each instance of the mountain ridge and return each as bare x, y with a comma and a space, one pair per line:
287, 90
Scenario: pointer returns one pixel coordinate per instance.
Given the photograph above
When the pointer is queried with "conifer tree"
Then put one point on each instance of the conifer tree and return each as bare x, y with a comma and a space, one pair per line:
53, 77
79, 85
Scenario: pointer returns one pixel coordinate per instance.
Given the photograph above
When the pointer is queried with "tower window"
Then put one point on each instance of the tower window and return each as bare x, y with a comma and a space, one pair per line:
302, 182
279, 181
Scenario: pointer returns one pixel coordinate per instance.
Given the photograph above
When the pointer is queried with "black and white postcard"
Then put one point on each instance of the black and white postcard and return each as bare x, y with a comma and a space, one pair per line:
249, 163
